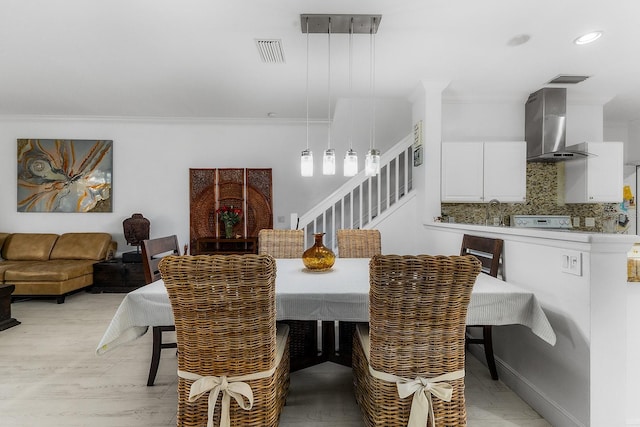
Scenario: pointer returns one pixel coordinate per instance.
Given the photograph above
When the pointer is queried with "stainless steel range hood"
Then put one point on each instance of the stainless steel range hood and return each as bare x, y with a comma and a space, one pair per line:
545, 127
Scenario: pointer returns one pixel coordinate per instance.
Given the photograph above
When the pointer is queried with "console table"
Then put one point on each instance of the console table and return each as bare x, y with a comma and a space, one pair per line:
212, 245
6, 321
114, 275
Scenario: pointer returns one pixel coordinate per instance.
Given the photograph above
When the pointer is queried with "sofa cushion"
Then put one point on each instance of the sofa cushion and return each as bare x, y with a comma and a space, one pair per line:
3, 237
28, 246
91, 246
49, 271
5, 265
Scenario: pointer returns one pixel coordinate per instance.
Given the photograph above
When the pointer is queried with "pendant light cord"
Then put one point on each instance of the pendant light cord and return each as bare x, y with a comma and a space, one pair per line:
307, 84
329, 83
351, 85
372, 54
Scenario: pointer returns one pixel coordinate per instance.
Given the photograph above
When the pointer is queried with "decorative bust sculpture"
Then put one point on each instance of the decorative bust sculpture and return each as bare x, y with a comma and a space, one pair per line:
136, 229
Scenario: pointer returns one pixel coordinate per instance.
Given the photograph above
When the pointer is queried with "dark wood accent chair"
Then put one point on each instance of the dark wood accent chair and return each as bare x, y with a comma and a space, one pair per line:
153, 250
354, 243
488, 251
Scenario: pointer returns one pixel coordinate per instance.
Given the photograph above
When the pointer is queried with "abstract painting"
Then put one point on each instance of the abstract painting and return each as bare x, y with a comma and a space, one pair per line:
64, 175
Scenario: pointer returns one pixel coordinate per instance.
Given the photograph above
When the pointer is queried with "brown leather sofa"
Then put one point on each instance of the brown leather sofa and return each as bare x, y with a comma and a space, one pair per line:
51, 265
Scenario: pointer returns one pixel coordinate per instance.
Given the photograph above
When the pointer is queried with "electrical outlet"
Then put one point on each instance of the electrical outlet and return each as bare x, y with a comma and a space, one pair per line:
571, 263
590, 222
576, 221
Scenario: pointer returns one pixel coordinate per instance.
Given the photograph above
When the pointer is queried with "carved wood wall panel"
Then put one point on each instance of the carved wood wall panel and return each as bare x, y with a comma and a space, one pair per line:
250, 189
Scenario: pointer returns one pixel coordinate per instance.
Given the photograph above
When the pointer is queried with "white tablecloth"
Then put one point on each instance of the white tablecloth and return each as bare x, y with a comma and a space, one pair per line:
339, 294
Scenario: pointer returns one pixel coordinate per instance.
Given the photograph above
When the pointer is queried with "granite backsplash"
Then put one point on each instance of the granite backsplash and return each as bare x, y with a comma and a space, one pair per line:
545, 196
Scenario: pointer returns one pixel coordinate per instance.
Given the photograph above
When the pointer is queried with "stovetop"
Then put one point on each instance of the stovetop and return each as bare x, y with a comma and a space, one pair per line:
562, 222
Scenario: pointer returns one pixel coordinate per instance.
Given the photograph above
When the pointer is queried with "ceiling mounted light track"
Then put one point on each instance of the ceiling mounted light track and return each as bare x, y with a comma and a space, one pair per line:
340, 23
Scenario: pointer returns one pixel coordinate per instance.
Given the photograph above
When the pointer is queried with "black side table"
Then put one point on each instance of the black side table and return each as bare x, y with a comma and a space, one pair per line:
117, 276
6, 321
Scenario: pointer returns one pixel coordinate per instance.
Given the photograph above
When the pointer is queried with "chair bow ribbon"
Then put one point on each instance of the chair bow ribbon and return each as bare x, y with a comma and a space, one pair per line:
228, 386
422, 389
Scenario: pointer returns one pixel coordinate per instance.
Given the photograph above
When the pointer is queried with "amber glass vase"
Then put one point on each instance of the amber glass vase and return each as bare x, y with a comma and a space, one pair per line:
318, 257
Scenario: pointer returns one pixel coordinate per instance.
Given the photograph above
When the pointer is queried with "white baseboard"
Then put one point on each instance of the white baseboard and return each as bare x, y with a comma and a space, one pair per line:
553, 413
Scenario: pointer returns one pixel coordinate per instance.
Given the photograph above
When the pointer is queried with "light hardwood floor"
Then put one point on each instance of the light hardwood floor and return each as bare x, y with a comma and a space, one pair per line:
51, 376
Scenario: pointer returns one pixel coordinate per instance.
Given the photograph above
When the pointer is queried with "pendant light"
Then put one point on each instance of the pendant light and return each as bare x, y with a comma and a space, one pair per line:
351, 157
372, 160
306, 159
329, 158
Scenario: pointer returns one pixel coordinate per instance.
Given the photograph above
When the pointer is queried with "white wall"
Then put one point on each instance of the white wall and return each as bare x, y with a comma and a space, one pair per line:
395, 228
584, 123
634, 140
152, 158
504, 121
395, 113
483, 121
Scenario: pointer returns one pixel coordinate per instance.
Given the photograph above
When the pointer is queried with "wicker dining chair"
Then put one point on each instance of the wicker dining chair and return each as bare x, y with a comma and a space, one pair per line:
225, 315
354, 243
303, 333
488, 252
152, 252
417, 312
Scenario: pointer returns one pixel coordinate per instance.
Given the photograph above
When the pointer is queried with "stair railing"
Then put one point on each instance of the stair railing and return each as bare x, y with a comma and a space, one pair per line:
363, 200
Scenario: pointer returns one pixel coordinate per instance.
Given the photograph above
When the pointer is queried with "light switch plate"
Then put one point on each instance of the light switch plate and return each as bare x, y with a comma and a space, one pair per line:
576, 221
571, 263
590, 222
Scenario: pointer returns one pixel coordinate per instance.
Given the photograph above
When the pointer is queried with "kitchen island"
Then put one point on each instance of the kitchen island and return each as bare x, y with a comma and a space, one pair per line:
588, 378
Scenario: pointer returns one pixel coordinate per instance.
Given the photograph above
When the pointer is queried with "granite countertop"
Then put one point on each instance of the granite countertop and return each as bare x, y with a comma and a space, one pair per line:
564, 235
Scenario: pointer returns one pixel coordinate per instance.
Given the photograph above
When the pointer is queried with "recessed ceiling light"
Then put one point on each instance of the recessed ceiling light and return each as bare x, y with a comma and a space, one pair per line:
588, 38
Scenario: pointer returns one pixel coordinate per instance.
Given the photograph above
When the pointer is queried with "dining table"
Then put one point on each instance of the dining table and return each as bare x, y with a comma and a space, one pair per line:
338, 294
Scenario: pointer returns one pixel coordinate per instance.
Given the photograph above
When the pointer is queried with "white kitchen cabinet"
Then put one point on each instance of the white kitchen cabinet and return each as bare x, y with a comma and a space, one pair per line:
482, 171
462, 172
597, 178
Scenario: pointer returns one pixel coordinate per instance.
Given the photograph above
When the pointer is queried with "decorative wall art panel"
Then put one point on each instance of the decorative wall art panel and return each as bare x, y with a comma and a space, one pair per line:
247, 189
65, 175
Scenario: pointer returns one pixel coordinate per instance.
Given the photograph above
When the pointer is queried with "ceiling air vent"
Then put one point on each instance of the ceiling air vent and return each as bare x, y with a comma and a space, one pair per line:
270, 51
567, 79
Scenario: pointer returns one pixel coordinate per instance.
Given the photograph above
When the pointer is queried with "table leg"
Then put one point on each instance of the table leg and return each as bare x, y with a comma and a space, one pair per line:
329, 352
